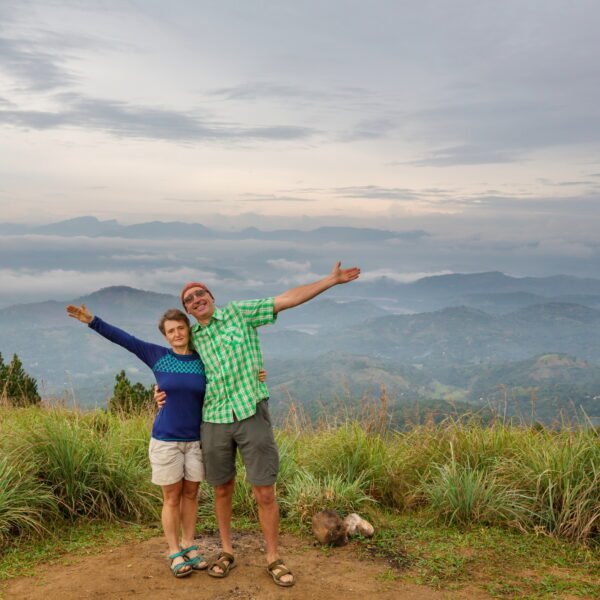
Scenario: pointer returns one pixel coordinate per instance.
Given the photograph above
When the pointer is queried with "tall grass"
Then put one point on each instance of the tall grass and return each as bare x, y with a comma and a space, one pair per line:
24, 502
61, 464
91, 465
561, 473
307, 494
464, 495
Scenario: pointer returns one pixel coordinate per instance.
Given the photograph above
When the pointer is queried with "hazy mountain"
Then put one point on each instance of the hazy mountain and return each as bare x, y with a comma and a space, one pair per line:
122, 303
93, 227
331, 349
542, 387
492, 292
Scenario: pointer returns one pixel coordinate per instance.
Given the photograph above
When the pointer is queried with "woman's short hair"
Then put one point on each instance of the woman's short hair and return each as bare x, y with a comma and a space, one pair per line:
173, 314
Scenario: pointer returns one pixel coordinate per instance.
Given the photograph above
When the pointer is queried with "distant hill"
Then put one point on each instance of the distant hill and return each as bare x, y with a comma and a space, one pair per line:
541, 387
329, 349
93, 227
127, 304
492, 292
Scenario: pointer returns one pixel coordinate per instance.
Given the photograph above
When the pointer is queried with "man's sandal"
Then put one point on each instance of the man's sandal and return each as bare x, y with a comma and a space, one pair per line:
225, 562
277, 570
194, 561
176, 569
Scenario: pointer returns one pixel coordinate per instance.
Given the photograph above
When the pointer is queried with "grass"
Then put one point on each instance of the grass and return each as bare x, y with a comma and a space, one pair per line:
504, 563
24, 502
462, 495
514, 508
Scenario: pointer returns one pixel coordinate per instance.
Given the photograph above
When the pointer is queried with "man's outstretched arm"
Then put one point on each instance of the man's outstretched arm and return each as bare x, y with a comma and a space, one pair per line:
303, 293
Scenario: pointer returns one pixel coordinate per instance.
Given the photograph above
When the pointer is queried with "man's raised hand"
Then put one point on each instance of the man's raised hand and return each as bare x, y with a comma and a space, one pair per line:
344, 275
160, 397
81, 313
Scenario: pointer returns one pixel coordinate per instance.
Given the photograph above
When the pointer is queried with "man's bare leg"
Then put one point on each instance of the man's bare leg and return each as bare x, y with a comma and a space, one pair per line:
268, 514
223, 510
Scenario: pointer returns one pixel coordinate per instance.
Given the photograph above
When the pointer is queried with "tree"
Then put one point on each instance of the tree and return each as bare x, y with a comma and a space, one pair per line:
130, 398
17, 388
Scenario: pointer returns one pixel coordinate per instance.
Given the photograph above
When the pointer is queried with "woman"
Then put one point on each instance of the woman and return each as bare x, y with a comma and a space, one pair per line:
175, 450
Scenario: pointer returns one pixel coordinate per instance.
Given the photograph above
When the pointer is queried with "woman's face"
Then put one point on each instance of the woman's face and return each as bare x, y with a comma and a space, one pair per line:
177, 333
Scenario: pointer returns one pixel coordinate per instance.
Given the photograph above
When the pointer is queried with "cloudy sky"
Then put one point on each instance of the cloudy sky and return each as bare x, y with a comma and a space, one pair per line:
478, 122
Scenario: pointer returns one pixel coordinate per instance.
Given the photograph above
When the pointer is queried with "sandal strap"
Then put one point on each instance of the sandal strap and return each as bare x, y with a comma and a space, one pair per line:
179, 566
176, 554
186, 550
223, 556
278, 569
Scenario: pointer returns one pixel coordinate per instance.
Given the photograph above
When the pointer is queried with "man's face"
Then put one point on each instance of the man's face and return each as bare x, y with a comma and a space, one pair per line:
199, 303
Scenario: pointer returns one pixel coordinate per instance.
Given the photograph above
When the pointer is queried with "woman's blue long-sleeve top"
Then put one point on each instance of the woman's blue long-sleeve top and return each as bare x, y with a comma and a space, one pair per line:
181, 376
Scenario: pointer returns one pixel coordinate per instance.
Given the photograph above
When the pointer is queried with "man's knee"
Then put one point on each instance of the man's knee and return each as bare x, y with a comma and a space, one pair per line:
224, 490
264, 494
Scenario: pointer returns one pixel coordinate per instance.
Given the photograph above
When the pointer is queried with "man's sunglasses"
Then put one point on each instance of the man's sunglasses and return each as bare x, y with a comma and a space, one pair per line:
196, 294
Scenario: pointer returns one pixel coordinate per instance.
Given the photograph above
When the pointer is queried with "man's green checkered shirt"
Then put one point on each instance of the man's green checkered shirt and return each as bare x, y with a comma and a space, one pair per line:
230, 349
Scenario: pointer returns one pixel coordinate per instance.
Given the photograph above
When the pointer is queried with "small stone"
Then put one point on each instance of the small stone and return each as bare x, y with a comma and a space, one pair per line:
356, 524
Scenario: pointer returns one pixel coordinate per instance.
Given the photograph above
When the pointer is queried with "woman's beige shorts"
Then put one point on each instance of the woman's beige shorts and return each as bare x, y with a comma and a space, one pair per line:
173, 461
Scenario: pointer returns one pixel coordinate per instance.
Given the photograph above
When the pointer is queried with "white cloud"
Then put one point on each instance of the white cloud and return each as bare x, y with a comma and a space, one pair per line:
35, 286
289, 265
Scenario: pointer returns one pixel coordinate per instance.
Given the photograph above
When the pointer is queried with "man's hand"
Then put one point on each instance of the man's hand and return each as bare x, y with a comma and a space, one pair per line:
81, 313
160, 397
262, 375
344, 275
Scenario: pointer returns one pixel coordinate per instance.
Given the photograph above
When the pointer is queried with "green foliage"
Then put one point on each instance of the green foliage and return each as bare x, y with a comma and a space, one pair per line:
561, 473
307, 494
24, 502
95, 465
463, 495
130, 398
92, 465
17, 388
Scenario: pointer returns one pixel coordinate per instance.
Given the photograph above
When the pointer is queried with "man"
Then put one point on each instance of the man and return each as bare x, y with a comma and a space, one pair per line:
236, 415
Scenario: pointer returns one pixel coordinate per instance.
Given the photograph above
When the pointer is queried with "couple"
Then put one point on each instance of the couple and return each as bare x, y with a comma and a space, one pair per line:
212, 392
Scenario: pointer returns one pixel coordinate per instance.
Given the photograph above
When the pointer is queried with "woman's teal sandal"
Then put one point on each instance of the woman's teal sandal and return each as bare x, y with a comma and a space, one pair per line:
176, 569
195, 561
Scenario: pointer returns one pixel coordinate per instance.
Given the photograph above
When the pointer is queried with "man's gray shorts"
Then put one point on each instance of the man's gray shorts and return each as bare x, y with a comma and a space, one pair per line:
254, 438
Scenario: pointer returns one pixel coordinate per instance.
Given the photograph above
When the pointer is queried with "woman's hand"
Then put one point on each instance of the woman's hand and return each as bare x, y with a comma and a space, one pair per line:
262, 375
81, 313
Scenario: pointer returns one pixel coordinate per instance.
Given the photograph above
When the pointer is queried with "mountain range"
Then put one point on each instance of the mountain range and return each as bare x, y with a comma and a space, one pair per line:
328, 348
93, 227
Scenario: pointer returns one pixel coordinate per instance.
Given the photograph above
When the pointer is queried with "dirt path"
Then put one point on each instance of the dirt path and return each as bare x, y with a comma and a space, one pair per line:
140, 571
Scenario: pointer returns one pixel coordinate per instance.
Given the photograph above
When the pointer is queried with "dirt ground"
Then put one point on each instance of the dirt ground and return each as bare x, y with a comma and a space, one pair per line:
140, 571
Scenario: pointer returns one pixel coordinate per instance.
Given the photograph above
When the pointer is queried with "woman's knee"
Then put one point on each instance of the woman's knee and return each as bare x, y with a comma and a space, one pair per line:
172, 493
190, 489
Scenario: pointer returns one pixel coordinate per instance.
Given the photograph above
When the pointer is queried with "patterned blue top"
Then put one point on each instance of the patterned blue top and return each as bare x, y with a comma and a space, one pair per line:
180, 375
